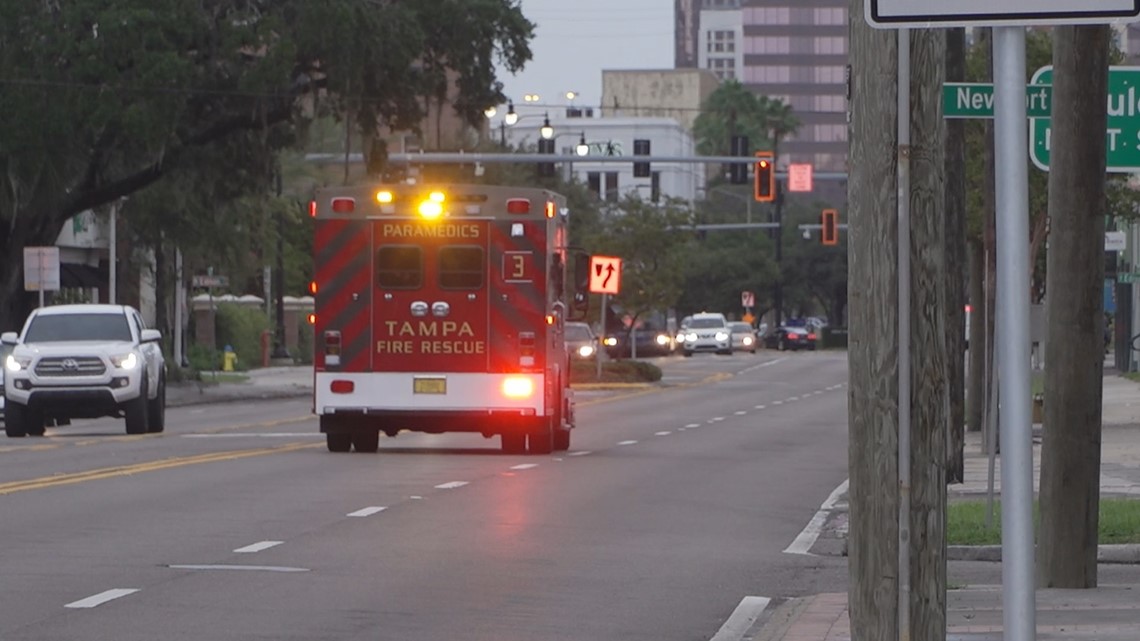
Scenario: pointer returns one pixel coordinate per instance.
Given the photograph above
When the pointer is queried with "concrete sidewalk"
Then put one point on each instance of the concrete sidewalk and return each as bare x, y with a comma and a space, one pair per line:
974, 613
258, 384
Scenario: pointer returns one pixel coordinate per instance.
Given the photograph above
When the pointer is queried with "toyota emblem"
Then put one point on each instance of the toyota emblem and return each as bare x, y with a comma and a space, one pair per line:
70, 364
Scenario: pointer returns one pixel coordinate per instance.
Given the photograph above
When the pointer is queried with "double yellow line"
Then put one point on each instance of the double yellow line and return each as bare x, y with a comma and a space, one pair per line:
128, 470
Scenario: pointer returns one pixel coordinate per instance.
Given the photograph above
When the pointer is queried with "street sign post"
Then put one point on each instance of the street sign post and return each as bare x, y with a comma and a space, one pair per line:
1123, 136
210, 281
799, 177
896, 14
41, 270
747, 300
976, 100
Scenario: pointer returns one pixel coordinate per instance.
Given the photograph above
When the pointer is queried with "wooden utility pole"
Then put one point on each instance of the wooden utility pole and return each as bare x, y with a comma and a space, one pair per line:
1074, 348
955, 240
873, 352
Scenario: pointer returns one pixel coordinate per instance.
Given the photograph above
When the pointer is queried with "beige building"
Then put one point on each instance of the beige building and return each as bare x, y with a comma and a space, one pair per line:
667, 93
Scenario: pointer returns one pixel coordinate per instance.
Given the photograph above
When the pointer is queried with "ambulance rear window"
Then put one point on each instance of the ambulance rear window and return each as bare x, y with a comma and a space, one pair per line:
399, 267
461, 267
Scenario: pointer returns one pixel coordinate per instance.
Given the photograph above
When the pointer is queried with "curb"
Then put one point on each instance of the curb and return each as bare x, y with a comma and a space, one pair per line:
1125, 554
210, 398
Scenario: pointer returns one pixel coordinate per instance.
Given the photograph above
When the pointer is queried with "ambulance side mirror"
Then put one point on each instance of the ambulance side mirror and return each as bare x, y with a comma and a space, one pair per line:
581, 303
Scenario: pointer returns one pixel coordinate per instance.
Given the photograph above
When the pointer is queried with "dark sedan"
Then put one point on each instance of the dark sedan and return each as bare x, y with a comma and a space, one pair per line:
793, 338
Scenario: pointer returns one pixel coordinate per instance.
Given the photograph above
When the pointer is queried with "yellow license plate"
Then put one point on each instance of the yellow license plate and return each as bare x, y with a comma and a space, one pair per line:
429, 386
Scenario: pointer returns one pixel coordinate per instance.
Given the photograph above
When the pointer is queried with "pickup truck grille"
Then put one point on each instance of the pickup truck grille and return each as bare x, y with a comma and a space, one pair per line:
71, 366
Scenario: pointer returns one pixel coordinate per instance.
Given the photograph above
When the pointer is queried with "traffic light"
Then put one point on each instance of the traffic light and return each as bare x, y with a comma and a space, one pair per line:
765, 177
829, 227
641, 148
738, 172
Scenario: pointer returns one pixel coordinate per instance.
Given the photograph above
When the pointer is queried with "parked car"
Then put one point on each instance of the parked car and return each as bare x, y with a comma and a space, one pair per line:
581, 341
5, 349
84, 361
706, 333
744, 338
791, 338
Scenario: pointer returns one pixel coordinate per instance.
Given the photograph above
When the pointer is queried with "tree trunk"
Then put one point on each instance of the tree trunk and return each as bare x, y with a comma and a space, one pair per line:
955, 241
1074, 348
989, 207
161, 285
873, 565
976, 396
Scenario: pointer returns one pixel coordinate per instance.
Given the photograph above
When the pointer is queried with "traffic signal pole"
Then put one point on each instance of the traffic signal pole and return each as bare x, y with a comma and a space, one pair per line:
778, 287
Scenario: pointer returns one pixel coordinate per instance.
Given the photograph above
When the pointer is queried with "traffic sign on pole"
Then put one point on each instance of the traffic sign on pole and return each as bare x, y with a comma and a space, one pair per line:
1122, 146
605, 274
907, 14
976, 100
799, 177
747, 300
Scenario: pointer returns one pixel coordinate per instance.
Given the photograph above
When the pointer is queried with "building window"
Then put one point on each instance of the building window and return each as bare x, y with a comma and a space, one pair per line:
612, 186
829, 103
768, 74
721, 42
830, 75
830, 133
767, 15
831, 16
831, 45
768, 44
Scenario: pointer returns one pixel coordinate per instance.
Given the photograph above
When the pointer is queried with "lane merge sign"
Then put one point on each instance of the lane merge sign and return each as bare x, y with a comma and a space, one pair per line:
605, 275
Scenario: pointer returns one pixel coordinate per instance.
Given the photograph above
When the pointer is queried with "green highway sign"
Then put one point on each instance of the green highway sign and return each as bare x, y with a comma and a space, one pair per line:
1123, 135
976, 100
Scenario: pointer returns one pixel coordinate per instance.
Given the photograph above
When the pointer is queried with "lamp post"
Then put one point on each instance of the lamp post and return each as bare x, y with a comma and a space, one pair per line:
581, 149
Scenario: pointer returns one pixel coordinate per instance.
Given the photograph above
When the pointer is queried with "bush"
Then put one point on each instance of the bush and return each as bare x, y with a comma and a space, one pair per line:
241, 327
203, 358
623, 371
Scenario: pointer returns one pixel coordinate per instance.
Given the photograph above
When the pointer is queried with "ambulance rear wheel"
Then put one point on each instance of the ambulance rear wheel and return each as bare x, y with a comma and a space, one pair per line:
542, 441
514, 443
366, 441
339, 442
561, 440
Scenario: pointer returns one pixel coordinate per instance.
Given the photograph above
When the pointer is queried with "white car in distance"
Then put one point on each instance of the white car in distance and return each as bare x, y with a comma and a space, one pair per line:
84, 361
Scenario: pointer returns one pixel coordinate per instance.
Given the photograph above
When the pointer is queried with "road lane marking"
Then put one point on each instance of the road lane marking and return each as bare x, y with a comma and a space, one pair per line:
250, 568
627, 442
740, 413
740, 621
811, 532
257, 547
777, 402
662, 433
12, 487
101, 598
760, 407
579, 453
524, 466
368, 511
764, 364
794, 398
450, 485
693, 425
258, 435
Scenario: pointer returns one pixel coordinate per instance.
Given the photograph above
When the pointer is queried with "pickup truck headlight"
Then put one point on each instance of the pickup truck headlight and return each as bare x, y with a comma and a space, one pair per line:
721, 336
13, 364
691, 337
125, 361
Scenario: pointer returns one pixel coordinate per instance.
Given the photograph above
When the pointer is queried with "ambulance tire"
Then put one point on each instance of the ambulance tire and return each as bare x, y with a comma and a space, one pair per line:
339, 441
542, 441
514, 443
366, 441
561, 440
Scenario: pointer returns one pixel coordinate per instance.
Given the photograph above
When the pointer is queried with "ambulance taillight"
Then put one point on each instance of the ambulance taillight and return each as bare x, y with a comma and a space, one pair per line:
332, 348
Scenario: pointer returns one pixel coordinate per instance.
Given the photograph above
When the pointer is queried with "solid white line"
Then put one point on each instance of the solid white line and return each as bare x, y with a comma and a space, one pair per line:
662, 433
524, 466
367, 511
254, 435
579, 453
811, 532
450, 485
742, 618
101, 598
626, 442
256, 568
259, 546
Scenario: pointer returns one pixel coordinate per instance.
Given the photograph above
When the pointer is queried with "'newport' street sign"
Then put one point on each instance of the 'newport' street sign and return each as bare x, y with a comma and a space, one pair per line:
976, 100
1122, 144
900, 14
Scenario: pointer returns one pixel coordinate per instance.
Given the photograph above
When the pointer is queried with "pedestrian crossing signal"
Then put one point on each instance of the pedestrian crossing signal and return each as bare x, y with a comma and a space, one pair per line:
829, 227
765, 177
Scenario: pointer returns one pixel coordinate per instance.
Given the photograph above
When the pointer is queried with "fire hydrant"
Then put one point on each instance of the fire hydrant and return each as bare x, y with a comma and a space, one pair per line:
229, 357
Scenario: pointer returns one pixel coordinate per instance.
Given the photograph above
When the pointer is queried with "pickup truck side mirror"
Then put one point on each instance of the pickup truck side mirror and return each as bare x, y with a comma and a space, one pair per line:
150, 336
9, 338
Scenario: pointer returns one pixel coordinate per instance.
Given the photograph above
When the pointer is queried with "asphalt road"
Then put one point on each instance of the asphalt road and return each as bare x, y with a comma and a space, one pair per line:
672, 507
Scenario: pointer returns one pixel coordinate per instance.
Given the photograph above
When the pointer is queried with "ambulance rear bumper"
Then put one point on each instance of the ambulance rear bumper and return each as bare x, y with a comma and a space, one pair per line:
407, 394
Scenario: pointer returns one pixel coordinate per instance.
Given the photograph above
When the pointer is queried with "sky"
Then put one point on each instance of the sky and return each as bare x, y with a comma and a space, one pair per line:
575, 40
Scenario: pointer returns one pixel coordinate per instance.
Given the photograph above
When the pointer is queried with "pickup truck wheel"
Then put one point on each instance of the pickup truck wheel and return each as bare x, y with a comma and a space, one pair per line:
366, 441
15, 418
156, 409
339, 441
34, 423
137, 412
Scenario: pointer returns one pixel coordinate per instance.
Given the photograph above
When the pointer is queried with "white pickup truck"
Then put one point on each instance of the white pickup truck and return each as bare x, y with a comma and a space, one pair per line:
83, 361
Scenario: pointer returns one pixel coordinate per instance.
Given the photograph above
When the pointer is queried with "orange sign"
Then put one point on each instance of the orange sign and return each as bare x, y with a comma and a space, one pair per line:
605, 274
799, 177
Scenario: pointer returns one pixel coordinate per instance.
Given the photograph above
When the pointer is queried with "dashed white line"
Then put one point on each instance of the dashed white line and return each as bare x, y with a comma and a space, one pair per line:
662, 433
777, 402
369, 511
450, 485
717, 419
101, 598
793, 398
579, 453
811, 532
740, 413
760, 407
257, 547
626, 442
524, 466
740, 621
693, 425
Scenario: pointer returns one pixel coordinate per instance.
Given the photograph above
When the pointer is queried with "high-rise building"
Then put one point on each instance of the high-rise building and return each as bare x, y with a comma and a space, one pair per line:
794, 50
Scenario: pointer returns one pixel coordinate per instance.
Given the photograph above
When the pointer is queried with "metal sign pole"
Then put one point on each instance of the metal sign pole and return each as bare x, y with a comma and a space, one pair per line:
1012, 179
601, 337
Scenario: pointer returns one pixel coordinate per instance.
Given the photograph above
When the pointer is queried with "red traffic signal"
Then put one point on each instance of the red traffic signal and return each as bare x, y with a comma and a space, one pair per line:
829, 226
764, 174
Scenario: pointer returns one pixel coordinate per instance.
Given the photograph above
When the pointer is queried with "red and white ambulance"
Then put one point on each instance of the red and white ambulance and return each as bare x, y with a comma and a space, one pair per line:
441, 308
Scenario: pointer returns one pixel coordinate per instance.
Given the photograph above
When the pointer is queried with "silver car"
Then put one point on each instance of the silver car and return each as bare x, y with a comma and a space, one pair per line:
744, 338
706, 333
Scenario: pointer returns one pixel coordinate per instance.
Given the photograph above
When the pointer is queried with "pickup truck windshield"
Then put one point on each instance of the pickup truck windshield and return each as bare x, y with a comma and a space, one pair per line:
78, 327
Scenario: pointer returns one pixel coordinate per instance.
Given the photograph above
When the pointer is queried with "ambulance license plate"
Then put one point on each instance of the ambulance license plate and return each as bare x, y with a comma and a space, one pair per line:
429, 386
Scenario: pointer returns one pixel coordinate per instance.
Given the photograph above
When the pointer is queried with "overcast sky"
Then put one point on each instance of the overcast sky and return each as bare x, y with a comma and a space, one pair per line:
576, 39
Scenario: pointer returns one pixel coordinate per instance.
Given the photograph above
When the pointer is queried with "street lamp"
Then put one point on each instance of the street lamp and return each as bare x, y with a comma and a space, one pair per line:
512, 116
546, 131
